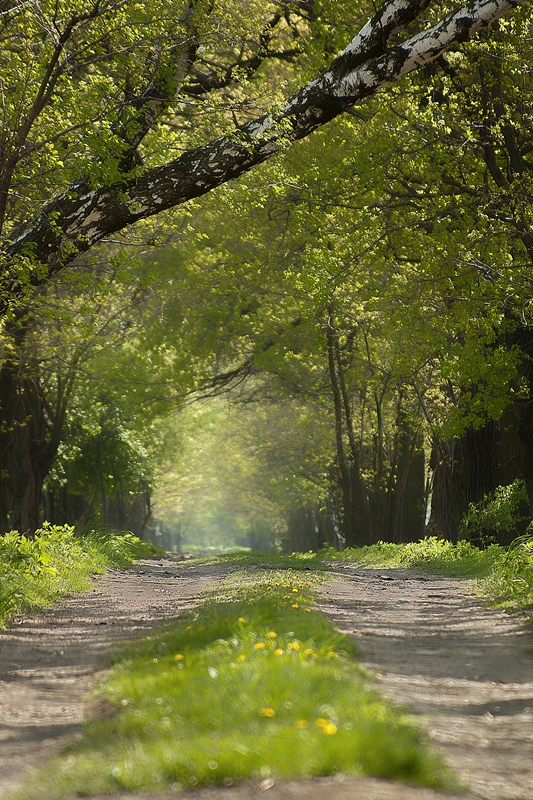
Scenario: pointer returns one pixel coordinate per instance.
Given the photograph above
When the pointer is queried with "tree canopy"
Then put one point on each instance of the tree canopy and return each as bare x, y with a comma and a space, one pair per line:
363, 299
99, 96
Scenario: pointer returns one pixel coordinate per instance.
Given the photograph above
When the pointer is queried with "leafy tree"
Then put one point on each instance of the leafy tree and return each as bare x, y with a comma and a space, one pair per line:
109, 89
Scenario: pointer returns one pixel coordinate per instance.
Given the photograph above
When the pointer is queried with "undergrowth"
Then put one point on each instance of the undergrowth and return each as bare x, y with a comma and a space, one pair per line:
36, 572
255, 683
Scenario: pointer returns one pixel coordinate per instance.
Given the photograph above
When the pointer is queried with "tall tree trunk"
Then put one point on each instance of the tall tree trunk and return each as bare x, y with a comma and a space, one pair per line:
464, 470
30, 433
27, 449
357, 517
408, 495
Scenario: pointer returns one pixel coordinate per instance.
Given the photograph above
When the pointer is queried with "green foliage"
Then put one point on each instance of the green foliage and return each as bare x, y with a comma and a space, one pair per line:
431, 554
511, 583
254, 686
498, 512
36, 572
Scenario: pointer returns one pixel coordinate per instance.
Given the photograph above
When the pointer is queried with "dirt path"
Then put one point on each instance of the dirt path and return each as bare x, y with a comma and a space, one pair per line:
49, 660
461, 668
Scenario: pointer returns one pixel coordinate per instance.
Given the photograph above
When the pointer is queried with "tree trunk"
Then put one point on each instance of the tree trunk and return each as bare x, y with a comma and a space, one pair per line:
27, 449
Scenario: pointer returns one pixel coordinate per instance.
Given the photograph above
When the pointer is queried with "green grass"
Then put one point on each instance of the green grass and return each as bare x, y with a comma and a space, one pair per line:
505, 576
36, 572
255, 683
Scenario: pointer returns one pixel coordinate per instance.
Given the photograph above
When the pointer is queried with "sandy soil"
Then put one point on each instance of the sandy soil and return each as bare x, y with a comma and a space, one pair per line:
460, 667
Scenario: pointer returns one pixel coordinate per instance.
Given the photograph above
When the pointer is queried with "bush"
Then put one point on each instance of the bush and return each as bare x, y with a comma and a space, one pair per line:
35, 572
498, 514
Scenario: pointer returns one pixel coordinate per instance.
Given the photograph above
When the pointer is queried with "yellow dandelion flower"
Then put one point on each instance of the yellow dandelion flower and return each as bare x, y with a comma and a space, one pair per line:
308, 651
278, 651
285, 597
267, 712
188, 628
332, 654
300, 724
272, 635
307, 609
241, 658
295, 605
179, 657
294, 645
201, 627
326, 726
242, 619
259, 646
295, 589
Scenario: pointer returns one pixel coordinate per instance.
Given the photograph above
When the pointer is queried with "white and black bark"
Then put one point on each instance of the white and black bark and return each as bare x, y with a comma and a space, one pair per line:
83, 216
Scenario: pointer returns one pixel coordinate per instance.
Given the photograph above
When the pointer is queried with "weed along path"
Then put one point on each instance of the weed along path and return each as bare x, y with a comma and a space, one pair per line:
461, 668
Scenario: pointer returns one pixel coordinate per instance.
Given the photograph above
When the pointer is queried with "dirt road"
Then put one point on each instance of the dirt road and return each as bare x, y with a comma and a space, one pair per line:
461, 668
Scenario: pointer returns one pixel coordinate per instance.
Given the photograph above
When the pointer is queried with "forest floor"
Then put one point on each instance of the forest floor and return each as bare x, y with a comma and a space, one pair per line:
465, 671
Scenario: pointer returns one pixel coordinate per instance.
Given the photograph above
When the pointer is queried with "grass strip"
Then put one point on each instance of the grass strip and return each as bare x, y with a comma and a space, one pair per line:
36, 572
505, 575
255, 683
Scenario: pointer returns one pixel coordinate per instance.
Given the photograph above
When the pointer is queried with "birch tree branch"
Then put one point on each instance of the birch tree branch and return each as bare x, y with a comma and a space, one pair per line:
81, 217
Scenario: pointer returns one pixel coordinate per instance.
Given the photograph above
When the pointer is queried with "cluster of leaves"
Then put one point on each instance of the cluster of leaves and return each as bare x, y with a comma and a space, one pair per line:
498, 512
35, 572
256, 686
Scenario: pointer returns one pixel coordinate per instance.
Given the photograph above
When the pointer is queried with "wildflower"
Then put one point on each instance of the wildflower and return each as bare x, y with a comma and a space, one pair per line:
308, 651
285, 597
307, 609
267, 712
188, 628
243, 620
201, 627
332, 654
295, 605
278, 651
295, 589
259, 646
241, 658
326, 726
179, 657
272, 635
300, 724
294, 645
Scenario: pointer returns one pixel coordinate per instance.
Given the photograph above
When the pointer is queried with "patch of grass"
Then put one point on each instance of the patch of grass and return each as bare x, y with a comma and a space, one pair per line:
308, 561
505, 576
55, 562
255, 683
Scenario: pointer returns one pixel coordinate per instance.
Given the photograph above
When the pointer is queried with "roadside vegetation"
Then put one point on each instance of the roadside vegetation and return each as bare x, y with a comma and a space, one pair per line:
55, 562
253, 684
504, 575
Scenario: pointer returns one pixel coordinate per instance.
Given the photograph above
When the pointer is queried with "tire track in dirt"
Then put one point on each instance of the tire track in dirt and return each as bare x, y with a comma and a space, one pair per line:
49, 660
461, 667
